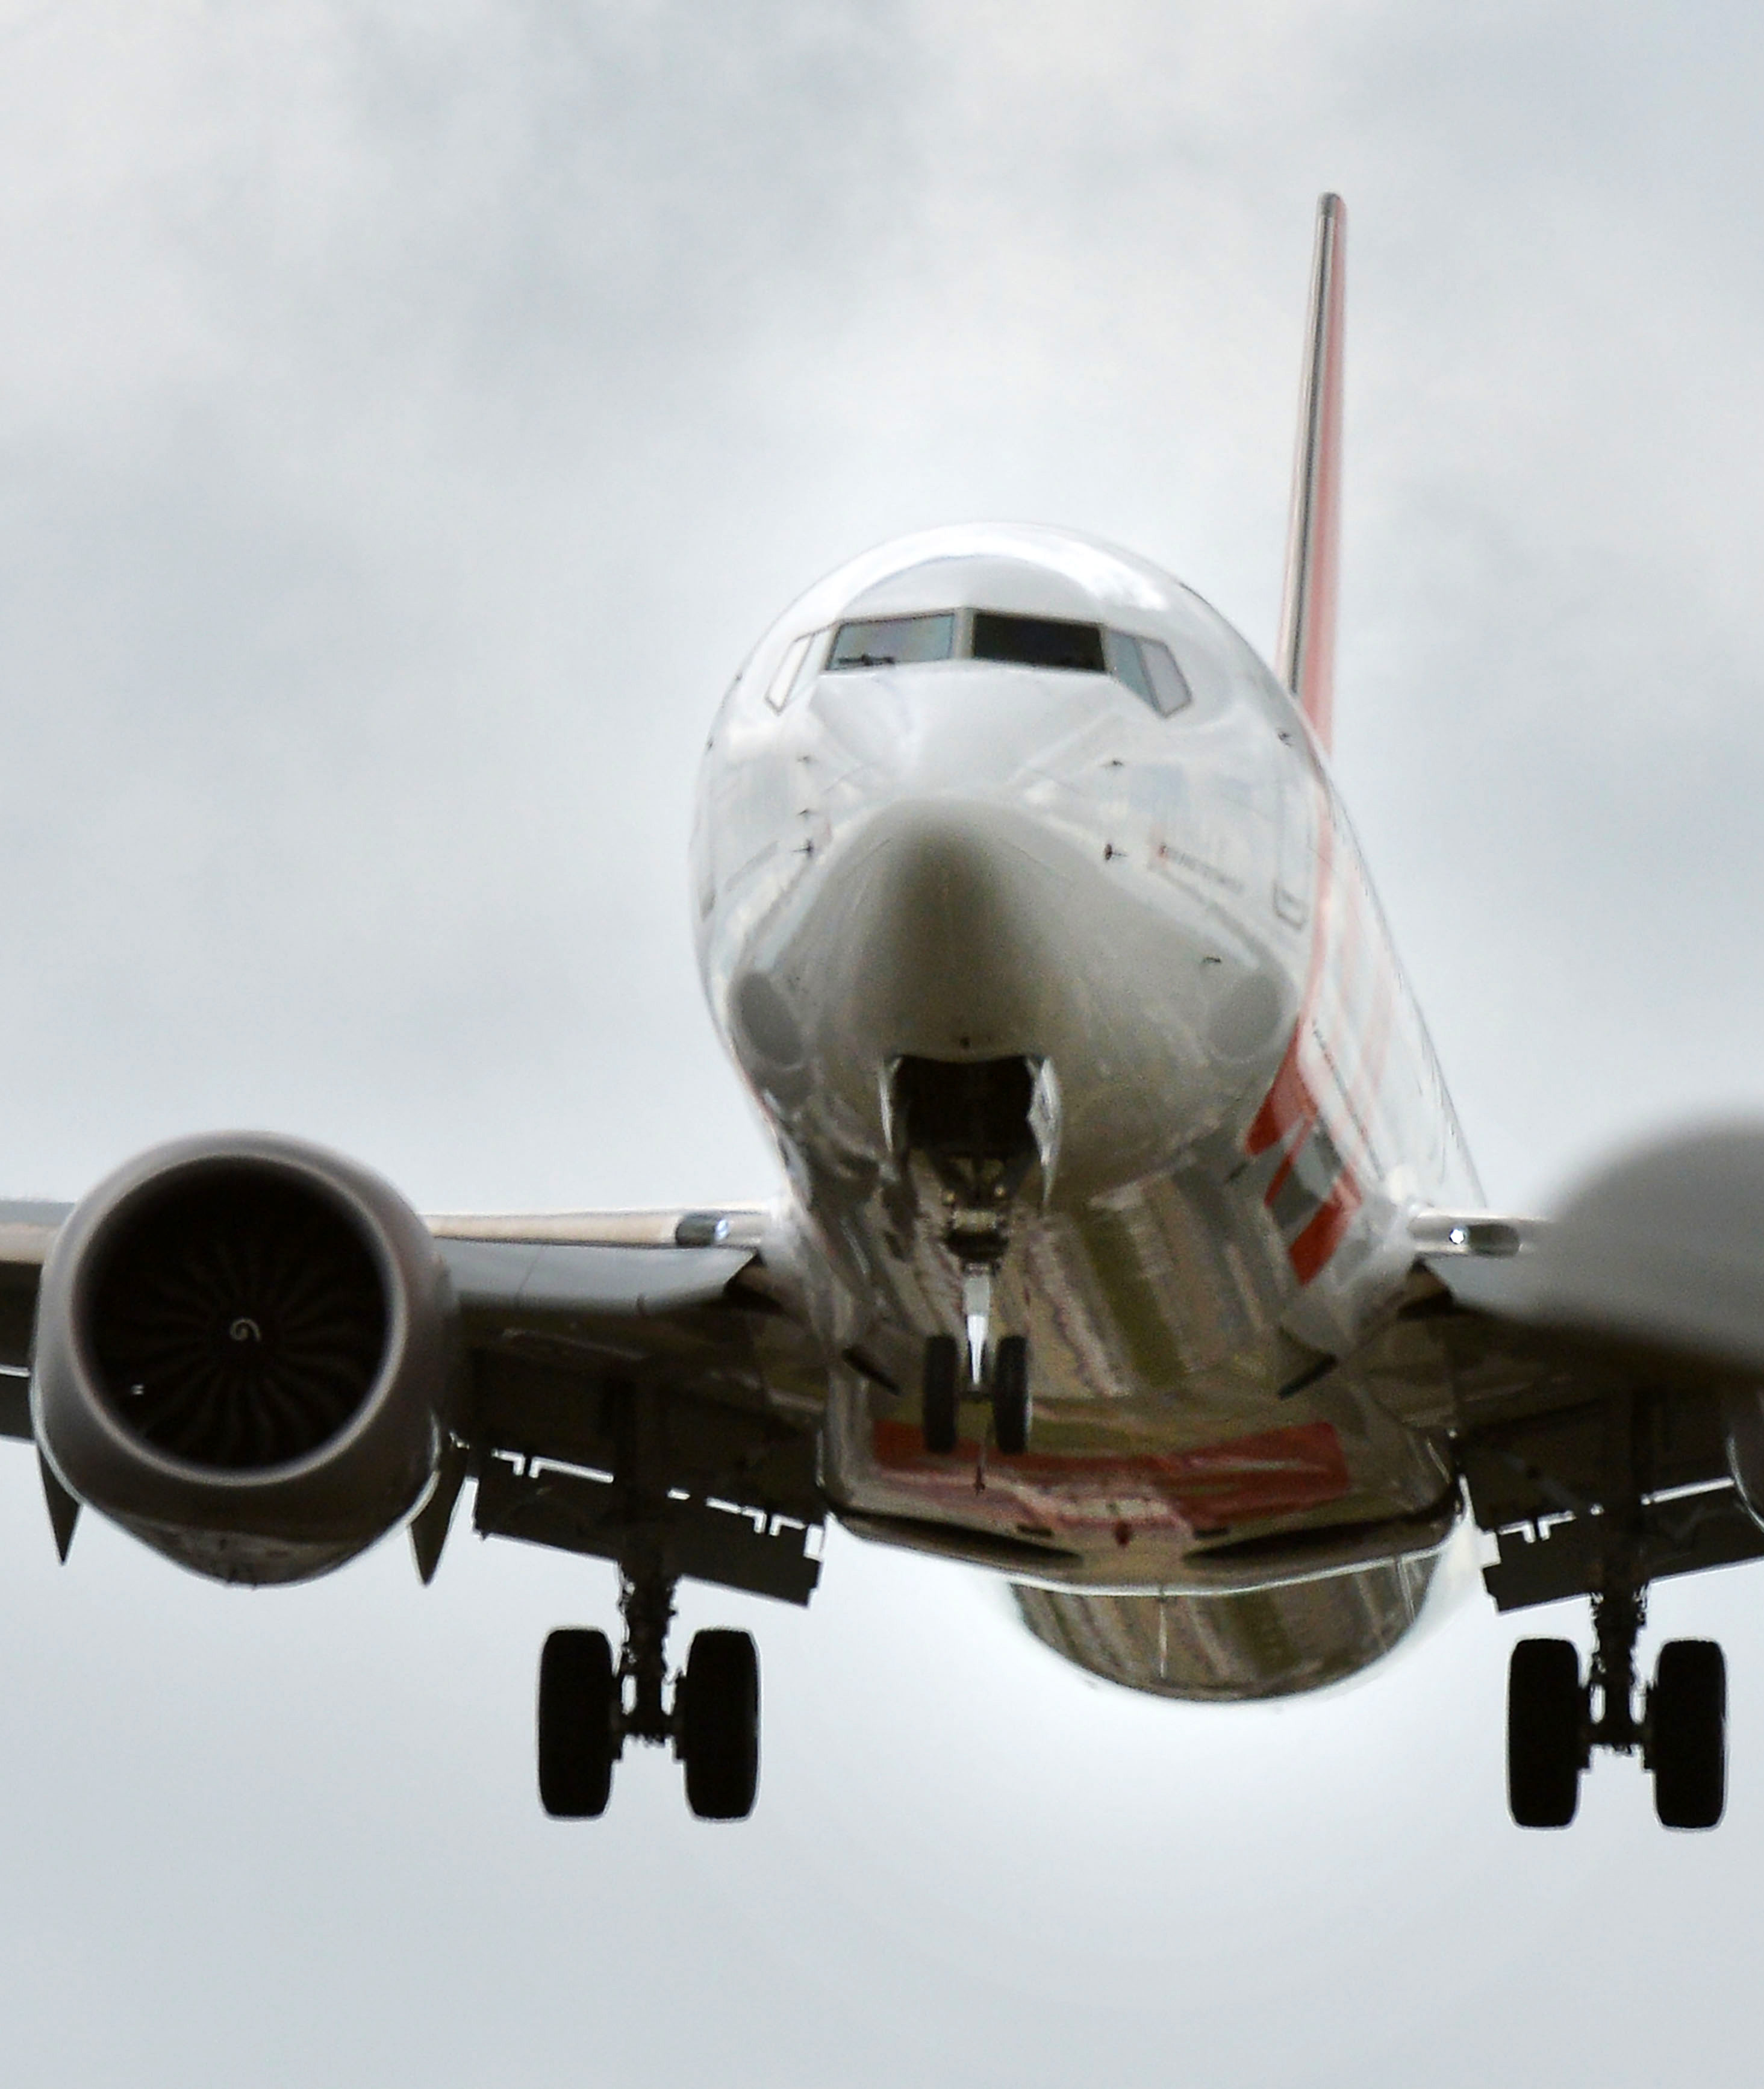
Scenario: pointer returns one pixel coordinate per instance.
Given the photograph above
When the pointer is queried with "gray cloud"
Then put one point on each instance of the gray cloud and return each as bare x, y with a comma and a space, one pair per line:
406, 423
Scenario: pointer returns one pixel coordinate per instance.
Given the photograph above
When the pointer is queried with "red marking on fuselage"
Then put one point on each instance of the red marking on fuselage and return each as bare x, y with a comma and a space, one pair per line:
1361, 1099
1288, 1103
1292, 1115
1320, 1237
1288, 1160
1278, 1472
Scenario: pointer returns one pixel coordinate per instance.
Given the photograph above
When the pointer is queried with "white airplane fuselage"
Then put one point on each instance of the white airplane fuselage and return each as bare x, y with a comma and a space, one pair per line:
1149, 897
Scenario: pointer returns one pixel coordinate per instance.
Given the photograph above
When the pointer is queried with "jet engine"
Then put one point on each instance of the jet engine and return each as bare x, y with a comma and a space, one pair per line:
1663, 1245
247, 1355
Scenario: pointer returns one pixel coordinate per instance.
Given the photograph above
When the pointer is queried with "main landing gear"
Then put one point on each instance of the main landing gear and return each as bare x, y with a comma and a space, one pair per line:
1554, 1720
590, 1707
1552, 1730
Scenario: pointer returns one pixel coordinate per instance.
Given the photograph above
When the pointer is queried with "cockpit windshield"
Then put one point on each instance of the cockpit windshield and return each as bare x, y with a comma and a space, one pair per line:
893, 641
1038, 641
1145, 666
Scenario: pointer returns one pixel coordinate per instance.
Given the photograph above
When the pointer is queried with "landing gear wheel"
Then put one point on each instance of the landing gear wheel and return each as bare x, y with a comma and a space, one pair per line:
1688, 1734
719, 1726
1546, 1713
938, 1408
1011, 1406
578, 1712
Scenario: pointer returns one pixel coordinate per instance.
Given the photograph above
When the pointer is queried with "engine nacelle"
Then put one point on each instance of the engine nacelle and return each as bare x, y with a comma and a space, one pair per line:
248, 1354
1666, 1244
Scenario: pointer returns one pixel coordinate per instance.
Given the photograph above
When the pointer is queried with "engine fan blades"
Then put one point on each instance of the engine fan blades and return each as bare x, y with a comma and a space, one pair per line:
238, 1322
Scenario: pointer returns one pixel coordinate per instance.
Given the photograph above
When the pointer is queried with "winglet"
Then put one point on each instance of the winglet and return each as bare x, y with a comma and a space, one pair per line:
1313, 540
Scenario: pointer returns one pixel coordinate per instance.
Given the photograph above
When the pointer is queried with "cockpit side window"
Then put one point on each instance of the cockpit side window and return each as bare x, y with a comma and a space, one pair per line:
778, 694
1170, 690
1126, 665
1038, 641
1148, 669
893, 641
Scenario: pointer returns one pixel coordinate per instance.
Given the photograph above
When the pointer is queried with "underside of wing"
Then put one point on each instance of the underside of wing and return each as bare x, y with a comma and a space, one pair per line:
1567, 1439
652, 1403
28, 1231
1598, 1374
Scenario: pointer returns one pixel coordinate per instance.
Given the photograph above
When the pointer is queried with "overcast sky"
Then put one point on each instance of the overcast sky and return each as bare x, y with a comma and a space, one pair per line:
408, 417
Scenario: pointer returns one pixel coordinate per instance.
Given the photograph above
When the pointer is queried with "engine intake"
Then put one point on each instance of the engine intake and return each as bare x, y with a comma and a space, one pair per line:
237, 1322
247, 1355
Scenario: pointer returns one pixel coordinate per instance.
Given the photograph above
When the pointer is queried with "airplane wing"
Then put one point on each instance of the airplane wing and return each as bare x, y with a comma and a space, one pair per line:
27, 1232
1598, 1375
643, 1387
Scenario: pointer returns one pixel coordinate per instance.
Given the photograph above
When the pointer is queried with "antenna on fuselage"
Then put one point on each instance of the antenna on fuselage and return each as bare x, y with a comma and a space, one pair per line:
1306, 659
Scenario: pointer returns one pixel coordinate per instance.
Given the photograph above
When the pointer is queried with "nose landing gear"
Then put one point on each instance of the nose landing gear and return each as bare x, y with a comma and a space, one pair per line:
986, 1128
1001, 1378
585, 1718
940, 1394
1012, 1410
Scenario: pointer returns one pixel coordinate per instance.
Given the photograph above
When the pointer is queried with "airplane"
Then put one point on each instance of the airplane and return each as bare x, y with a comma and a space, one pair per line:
1128, 1248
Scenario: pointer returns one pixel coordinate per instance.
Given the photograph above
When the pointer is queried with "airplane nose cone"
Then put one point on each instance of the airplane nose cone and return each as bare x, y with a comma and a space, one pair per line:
958, 924
953, 930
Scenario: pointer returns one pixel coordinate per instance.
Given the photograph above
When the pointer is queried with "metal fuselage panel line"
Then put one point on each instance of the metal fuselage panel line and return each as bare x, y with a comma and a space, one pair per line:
1158, 906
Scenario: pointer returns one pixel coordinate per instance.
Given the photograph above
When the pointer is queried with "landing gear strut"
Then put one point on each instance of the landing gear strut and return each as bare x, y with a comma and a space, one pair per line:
984, 1127
588, 1709
1552, 1725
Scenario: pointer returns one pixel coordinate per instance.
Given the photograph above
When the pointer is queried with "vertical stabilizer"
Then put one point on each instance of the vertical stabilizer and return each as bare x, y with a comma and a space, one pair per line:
1313, 542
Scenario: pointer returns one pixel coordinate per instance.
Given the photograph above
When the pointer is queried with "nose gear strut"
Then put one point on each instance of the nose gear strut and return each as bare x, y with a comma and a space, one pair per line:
977, 1314
983, 1127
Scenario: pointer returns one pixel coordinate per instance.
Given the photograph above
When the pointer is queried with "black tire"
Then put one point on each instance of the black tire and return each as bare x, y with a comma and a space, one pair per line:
1688, 1734
1012, 1409
1545, 1750
719, 1725
578, 1719
938, 1408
